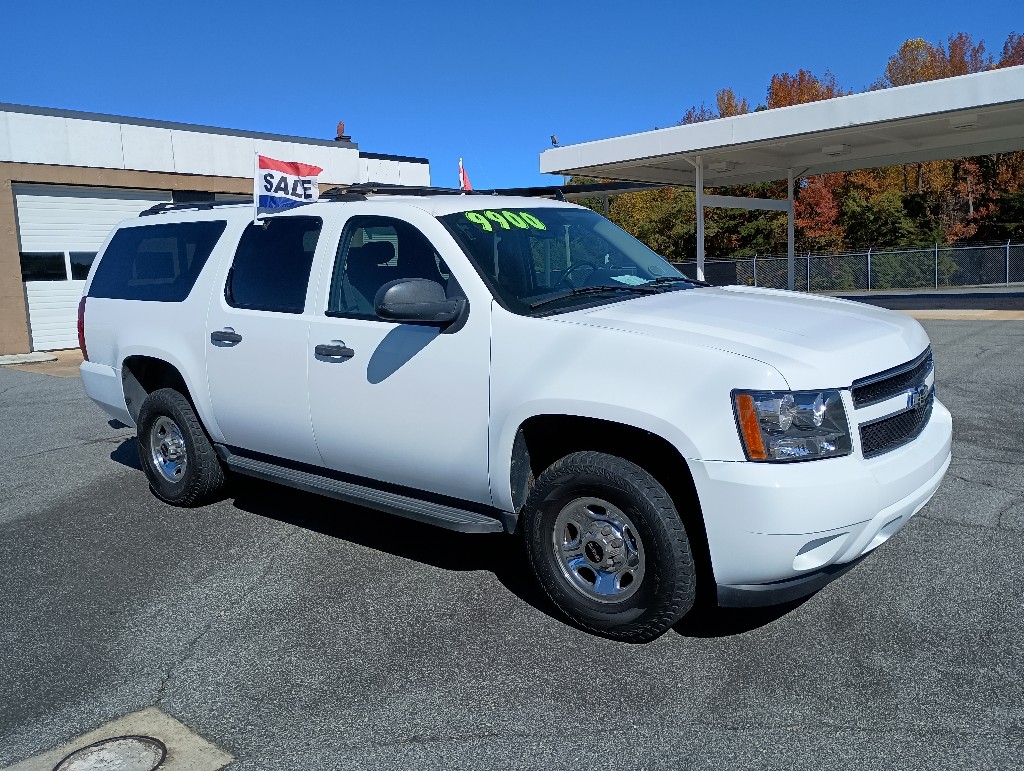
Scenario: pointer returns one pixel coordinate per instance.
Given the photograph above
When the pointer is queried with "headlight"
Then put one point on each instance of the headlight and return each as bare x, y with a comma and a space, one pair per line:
791, 425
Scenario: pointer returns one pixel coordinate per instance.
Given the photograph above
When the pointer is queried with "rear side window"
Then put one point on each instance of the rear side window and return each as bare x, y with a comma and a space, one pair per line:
155, 262
272, 265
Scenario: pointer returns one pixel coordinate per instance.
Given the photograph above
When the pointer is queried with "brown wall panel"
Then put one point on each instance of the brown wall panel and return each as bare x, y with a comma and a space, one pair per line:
13, 310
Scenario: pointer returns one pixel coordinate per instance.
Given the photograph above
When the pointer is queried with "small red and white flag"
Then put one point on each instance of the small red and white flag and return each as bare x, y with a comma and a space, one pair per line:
464, 183
280, 185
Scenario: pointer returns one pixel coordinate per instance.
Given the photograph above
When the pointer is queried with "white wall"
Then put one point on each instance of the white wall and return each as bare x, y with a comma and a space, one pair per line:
390, 172
108, 144
53, 218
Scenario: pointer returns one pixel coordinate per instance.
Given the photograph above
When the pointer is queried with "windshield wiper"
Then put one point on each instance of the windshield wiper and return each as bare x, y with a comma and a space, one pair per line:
676, 279
589, 290
648, 287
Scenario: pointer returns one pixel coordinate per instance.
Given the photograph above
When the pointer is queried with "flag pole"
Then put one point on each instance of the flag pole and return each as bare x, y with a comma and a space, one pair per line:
255, 186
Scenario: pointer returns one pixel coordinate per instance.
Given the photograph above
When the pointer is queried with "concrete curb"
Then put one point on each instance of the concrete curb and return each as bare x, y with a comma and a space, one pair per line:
26, 358
186, 750
952, 314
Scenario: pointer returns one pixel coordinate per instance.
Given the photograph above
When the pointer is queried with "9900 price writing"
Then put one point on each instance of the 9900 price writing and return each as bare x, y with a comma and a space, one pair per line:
505, 219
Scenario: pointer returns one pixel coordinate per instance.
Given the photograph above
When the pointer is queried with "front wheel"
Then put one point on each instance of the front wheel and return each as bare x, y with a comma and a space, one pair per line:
176, 454
608, 547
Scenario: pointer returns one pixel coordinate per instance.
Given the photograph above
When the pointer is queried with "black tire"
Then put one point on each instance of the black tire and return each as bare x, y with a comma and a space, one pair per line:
666, 585
201, 476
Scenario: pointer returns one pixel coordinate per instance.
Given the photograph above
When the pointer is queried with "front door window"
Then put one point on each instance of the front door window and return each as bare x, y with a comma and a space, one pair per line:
373, 252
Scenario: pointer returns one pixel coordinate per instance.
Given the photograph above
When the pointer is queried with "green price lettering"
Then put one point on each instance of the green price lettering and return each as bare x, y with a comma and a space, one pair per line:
532, 221
506, 219
493, 215
479, 219
514, 219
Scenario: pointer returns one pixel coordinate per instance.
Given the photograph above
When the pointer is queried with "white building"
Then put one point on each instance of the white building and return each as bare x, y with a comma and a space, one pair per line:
66, 178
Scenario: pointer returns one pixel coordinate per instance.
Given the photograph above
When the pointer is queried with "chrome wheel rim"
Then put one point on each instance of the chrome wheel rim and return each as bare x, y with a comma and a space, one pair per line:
167, 449
598, 550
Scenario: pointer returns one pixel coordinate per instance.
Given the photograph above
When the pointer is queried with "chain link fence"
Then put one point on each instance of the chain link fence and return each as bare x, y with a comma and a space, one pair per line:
937, 266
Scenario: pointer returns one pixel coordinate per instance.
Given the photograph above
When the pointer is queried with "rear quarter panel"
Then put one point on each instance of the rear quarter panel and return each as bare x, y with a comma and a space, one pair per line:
174, 332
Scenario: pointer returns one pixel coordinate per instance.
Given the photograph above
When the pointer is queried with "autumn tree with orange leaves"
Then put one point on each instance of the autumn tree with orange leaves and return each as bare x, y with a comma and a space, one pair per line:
786, 90
962, 200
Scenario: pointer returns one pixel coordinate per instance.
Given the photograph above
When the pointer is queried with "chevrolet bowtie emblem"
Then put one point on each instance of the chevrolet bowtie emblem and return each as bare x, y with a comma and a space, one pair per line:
916, 397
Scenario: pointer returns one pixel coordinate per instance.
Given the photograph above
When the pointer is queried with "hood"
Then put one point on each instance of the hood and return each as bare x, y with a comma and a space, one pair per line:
815, 342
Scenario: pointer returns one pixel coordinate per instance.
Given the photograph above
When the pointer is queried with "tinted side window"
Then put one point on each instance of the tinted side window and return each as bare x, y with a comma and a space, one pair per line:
374, 251
272, 264
155, 262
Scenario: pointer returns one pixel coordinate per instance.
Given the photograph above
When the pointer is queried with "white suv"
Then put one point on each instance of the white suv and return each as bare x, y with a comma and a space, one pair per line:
497, 363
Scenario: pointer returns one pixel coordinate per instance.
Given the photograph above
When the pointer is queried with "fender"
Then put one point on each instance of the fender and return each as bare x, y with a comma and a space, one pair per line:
503, 437
187, 366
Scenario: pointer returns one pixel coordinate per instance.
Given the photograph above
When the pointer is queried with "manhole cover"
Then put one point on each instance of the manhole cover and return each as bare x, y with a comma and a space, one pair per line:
122, 753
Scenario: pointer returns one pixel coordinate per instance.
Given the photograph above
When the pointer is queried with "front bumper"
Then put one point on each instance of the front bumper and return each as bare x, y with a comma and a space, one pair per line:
778, 592
780, 531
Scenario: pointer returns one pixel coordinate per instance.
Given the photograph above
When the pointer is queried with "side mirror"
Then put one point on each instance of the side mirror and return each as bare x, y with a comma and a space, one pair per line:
416, 301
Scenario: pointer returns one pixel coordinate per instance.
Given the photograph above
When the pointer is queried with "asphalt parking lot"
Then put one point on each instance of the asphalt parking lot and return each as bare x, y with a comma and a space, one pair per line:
298, 633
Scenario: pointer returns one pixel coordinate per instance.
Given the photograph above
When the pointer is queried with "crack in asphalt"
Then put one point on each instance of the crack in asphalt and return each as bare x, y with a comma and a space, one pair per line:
191, 647
83, 443
999, 517
418, 739
818, 725
966, 525
991, 461
985, 484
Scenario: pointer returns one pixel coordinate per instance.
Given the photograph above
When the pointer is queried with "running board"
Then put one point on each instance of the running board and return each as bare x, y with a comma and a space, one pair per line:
430, 512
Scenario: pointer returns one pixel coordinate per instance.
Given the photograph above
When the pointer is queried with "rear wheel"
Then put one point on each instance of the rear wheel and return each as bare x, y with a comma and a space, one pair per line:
608, 547
176, 454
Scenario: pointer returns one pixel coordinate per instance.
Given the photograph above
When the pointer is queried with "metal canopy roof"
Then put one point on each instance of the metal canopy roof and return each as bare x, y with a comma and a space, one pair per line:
953, 118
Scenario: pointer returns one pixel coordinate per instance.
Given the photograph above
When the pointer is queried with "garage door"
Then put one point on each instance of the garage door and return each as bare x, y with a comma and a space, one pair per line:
60, 230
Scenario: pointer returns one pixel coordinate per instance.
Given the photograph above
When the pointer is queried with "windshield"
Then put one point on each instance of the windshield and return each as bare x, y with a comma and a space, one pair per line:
549, 259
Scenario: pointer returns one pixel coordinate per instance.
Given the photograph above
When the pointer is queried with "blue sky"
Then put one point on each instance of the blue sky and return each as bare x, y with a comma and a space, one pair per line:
488, 81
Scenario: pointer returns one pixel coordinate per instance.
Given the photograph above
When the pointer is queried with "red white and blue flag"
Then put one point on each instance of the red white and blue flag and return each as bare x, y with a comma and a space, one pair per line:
280, 185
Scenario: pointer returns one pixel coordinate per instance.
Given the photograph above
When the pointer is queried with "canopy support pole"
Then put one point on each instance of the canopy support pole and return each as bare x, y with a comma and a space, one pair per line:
790, 239
698, 185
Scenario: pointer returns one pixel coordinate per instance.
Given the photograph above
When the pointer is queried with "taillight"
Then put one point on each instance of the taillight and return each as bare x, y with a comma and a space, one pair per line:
81, 328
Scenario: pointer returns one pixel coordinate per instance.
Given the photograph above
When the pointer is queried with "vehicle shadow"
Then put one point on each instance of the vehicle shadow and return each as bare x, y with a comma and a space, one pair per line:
707, 620
497, 553
127, 454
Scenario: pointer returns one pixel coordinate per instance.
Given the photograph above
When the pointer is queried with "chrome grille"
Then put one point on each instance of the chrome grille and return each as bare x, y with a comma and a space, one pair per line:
886, 434
892, 382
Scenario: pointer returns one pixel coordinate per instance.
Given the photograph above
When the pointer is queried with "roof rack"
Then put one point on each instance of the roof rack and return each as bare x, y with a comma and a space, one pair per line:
528, 192
360, 191
185, 205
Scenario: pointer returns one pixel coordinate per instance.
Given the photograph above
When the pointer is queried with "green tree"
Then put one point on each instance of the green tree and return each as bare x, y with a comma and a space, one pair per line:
1008, 225
882, 220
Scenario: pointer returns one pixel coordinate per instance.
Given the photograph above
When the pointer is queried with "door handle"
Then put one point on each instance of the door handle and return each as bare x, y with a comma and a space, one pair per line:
226, 335
336, 349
